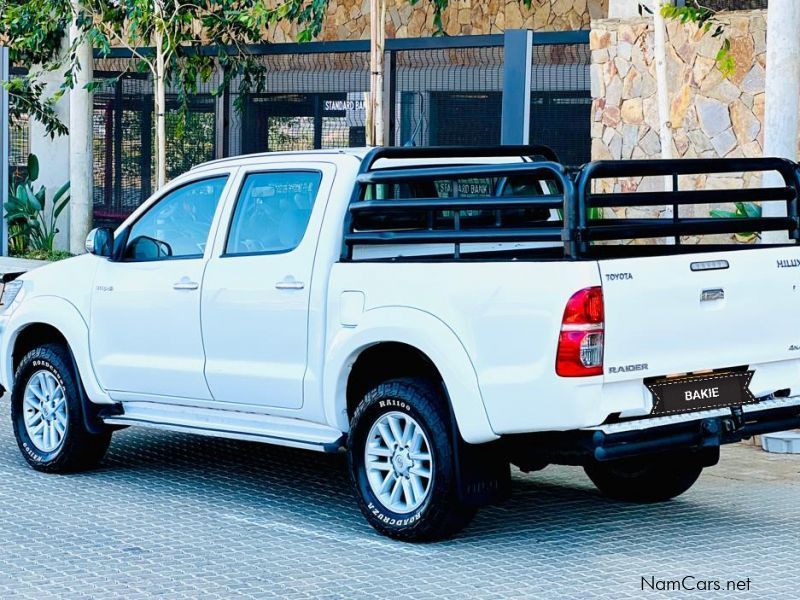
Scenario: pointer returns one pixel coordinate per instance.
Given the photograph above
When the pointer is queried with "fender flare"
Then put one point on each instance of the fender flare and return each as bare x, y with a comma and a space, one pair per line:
67, 319
428, 334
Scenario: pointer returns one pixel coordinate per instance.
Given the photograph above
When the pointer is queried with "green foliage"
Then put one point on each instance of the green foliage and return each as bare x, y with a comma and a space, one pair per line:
31, 226
34, 30
51, 255
749, 210
705, 19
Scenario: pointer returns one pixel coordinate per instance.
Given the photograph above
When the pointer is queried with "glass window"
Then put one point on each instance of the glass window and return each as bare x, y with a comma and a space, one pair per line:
177, 225
272, 212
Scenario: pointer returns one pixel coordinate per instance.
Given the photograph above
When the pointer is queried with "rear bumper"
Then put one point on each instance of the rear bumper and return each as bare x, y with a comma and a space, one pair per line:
647, 436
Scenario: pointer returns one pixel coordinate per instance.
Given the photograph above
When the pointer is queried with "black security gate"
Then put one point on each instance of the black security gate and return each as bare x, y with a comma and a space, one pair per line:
124, 141
463, 118
275, 122
442, 91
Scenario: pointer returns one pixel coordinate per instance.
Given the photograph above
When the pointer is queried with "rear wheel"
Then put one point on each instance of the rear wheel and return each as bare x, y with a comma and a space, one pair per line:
652, 478
47, 414
402, 462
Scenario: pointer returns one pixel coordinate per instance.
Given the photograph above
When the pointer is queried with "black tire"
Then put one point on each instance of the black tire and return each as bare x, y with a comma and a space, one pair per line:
440, 515
79, 449
654, 478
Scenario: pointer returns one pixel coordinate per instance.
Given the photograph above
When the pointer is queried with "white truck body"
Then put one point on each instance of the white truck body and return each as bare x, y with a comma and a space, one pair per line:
490, 328
261, 345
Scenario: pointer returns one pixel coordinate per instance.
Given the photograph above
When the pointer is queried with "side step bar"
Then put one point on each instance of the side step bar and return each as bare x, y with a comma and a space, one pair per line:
254, 427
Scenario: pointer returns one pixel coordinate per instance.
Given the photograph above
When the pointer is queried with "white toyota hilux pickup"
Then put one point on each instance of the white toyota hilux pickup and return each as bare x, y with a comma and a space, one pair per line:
436, 313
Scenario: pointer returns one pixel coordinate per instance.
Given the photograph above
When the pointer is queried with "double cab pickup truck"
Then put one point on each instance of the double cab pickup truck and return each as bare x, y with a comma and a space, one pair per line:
437, 314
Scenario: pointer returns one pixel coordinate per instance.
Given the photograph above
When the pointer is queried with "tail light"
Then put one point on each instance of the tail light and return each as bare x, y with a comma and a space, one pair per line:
580, 343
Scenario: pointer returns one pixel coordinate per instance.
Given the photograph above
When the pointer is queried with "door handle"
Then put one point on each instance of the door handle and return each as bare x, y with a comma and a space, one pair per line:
185, 285
290, 285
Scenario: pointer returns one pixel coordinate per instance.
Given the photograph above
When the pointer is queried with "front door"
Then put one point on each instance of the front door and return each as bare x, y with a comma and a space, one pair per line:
145, 318
255, 305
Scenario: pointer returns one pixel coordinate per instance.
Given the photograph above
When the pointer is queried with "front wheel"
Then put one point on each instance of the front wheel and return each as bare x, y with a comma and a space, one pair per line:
402, 462
647, 479
47, 414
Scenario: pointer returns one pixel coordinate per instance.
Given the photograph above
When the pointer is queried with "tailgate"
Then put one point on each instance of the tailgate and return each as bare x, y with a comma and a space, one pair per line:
686, 313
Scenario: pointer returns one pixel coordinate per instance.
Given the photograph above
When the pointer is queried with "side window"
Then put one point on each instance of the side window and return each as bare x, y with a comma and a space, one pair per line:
272, 212
177, 225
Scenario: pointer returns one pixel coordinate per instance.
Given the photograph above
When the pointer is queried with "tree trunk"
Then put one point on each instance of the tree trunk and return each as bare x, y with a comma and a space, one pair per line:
375, 121
662, 88
160, 104
81, 168
782, 101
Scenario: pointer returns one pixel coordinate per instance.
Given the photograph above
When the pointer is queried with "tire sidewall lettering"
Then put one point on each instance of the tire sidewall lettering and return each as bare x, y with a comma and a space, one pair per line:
394, 521
41, 363
392, 403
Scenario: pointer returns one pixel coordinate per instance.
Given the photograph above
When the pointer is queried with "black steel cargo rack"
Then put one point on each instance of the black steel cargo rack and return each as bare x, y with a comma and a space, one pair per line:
575, 233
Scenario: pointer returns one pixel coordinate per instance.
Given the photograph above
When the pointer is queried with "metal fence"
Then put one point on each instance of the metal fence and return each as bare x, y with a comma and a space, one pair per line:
735, 4
124, 140
560, 98
19, 145
443, 91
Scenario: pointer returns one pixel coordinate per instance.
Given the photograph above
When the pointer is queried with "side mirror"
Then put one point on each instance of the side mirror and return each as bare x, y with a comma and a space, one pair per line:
147, 248
100, 241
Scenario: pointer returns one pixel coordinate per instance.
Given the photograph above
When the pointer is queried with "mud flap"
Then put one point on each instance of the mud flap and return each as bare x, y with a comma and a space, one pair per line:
483, 473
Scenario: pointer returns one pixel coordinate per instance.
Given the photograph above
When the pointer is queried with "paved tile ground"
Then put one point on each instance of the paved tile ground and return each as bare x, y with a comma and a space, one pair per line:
176, 516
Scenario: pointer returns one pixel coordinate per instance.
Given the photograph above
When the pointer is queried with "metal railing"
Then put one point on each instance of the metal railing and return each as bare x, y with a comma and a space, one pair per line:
406, 190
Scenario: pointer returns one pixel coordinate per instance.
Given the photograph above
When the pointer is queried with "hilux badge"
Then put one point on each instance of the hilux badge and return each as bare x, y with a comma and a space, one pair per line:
788, 263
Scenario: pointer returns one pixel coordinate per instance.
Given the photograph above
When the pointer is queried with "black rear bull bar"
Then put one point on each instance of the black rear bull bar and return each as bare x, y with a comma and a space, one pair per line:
581, 446
703, 433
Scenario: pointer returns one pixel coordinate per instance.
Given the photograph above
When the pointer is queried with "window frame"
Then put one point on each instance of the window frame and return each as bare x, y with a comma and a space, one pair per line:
232, 215
121, 242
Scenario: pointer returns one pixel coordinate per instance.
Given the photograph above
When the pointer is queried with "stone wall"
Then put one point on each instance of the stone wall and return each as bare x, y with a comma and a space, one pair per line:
349, 19
711, 116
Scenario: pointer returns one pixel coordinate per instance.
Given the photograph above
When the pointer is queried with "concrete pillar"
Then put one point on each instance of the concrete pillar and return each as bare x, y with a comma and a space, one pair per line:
782, 100
81, 170
4, 146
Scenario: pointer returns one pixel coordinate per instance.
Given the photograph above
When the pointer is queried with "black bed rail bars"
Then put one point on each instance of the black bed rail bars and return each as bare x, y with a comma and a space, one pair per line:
621, 229
367, 177
575, 230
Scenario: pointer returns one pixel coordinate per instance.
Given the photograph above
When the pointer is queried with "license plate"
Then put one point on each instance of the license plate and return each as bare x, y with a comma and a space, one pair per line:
701, 392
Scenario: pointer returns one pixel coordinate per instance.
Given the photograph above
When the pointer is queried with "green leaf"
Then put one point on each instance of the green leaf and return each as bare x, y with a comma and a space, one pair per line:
33, 167
60, 192
751, 209
32, 199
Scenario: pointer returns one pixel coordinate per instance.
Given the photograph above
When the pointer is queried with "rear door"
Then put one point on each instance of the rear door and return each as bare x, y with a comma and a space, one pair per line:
255, 300
681, 314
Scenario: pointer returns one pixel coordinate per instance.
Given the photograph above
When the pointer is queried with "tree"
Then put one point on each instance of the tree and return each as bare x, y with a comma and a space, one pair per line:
177, 32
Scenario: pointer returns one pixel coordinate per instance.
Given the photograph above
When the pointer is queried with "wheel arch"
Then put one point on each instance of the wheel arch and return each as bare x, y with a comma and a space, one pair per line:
398, 341
47, 319
32, 336
387, 360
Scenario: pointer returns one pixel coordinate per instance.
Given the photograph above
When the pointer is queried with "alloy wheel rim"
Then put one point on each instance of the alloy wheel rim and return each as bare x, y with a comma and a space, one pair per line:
399, 462
45, 411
